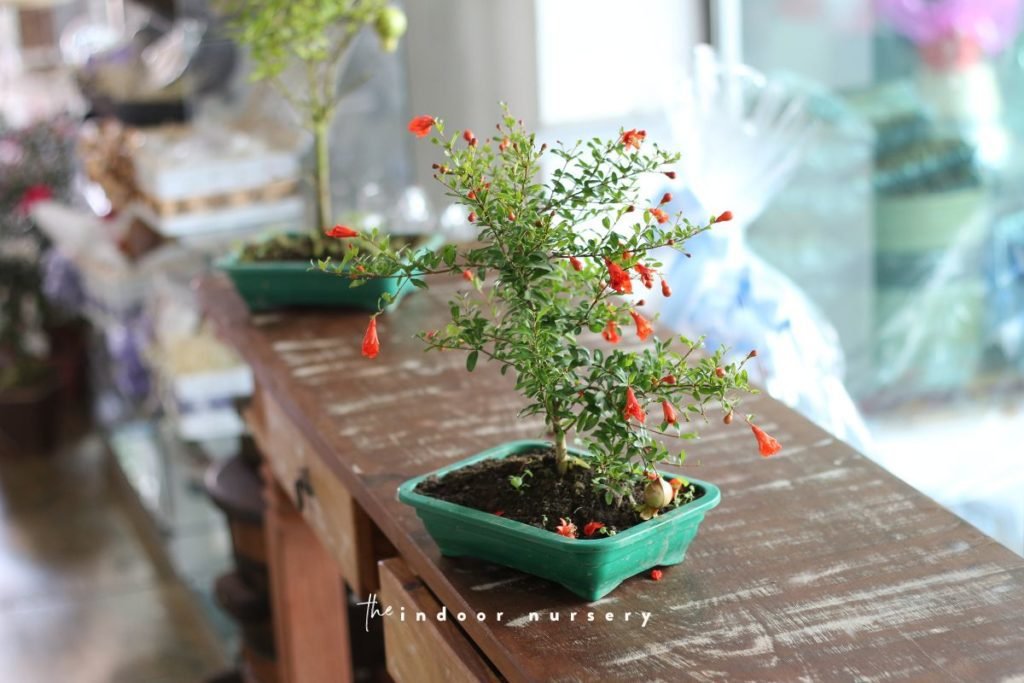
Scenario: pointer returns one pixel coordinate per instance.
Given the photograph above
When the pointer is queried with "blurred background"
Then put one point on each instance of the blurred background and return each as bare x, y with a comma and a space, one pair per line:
870, 151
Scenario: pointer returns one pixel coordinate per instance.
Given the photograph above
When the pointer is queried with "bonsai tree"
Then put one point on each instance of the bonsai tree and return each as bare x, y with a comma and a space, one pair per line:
315, 37
556, 262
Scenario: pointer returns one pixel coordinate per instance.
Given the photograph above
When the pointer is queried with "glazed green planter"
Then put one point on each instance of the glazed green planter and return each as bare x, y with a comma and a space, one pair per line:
588, 568
268, 285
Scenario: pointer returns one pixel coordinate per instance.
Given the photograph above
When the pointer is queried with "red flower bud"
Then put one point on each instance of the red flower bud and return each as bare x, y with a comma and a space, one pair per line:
668, 379
659, 216
671, 175
611, 332
656, 574
670, 413
371, 345
420, 126
341, 231
467, 276
766, 445
511, 215
666, 291
499, 513
720, 372
646, 275
468, 136
643, 327
471, 217
503, 145
471, 195
566, 528
633, 138
728, 418
620, 281
591, 528
576, 264
666, 198
633, 408
724, 216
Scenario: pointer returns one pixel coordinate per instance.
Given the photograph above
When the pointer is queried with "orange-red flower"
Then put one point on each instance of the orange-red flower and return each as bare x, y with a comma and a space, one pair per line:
591, 528
633, 138
646, 275
620, 281
659, 215
767, 445
633, 408
566, 528
670, 413
724, 216
666, 198
643, 326
665, 289
341, 231
611, 332
371, 345
656, 574
577, 265
420, 126
677, 484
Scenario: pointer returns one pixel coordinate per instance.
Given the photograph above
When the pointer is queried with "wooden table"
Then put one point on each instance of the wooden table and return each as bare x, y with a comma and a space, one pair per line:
818, 565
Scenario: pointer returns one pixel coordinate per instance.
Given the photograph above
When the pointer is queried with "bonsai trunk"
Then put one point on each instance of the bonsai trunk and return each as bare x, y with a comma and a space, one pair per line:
561, 451
322, 173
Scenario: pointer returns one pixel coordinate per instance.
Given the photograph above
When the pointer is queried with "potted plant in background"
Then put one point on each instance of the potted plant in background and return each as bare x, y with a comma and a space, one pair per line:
541, 288
41, 348
310, 41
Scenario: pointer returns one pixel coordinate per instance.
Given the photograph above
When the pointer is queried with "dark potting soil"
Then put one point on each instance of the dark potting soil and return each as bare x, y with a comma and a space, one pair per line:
304, 247
545, 498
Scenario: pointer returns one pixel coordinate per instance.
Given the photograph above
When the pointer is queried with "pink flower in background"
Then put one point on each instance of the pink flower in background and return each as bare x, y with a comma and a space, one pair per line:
34, 194
988, 26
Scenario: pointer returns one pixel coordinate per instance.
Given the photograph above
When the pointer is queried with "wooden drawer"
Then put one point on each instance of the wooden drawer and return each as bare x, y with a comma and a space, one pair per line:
338, 521
424, 651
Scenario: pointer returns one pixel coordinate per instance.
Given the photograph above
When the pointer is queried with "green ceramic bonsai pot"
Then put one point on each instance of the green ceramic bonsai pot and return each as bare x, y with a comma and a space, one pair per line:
269, 285
588, 568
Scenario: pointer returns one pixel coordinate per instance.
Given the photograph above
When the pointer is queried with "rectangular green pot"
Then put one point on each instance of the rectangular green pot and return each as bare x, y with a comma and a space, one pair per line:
269, 285
588, 568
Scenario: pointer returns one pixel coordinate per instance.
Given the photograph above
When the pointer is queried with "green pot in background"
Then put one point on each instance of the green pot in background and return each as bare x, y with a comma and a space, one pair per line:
269, 285
588, 568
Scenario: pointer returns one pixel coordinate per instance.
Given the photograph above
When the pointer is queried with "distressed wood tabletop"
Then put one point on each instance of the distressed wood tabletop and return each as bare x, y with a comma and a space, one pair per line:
818, 565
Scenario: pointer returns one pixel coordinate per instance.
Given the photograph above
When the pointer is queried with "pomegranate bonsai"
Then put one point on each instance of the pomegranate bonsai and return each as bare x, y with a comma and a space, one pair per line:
556, 261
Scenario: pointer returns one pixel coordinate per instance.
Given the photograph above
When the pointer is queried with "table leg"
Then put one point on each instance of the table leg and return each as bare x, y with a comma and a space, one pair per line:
308, 597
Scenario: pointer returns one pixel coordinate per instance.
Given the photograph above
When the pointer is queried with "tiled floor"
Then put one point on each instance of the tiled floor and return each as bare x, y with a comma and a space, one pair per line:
80, 599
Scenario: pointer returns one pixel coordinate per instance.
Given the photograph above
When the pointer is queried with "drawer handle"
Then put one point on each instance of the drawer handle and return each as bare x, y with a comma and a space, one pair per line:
303, 488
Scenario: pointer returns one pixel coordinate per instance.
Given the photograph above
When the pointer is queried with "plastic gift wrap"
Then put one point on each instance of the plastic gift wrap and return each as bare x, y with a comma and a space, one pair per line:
730, 113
